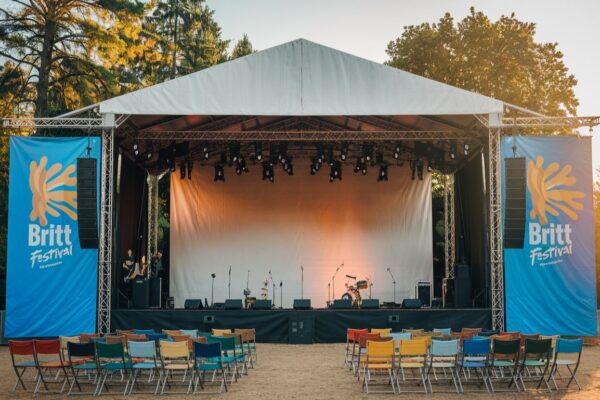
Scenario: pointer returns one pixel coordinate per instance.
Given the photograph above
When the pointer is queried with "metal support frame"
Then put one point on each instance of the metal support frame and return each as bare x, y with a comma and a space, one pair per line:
495, 234
449, 227
106, 232
152, 215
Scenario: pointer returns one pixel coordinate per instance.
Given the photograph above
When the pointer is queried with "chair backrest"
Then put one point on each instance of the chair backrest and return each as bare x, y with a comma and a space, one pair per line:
180, 338
144, 331
445, 347
524, 337
414, 331
474, 331
380, 348
506, 346
351, 333
193, 333
87, 337
21, 347
515, 335
363, 337
384, 332
142, 349
489, 333
171, 332
134, 337
111, 339
443, 331
248, 335
174, 349
538, 346
227, 343
207, 350
413, 347
569, 345
47, 347
204, 334
476, 346
201, 339
80, 349
156, 336
110, 350
68, 339
123, 332
98, 340
220, 332
397, 336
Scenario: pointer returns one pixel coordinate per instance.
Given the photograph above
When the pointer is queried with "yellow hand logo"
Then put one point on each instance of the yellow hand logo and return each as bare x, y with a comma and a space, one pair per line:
47, 197
546, 194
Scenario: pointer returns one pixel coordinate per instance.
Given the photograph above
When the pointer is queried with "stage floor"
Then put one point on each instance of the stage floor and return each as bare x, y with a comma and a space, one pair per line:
301, 326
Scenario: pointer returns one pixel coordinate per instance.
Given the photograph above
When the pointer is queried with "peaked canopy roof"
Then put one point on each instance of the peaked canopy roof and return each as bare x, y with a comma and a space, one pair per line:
301, 78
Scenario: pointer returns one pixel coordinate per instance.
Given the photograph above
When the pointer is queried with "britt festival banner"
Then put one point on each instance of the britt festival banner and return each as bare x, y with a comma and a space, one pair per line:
551, 282
51, 281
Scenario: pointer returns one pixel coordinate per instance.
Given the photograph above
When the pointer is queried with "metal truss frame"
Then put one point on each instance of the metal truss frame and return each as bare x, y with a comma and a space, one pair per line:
106, 232
301, 136
449, 227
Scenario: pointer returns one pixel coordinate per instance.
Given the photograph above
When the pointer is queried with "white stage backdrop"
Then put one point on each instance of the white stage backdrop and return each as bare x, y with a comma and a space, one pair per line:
299, 220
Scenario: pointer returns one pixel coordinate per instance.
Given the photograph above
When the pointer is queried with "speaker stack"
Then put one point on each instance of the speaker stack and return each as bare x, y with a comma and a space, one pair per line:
87, 203
515, 199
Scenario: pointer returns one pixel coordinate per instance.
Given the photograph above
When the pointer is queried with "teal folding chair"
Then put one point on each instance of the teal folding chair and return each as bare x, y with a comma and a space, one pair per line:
81, 359
148, 362
535, 363
208, 358
111, 360
566, 349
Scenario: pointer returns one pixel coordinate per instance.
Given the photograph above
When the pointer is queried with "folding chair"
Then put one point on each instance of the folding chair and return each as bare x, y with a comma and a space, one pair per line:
231, 358
208, 358
380, 356
124, 332
81, 358
351, 340
398, 336
220, 332
443, 331
144, 331
475, 357
46, 348
383, 332
567, 347
359, 357
504, 359
111, 359
242, 352
536, 356
249, 338
23, 349
171, 332
193, 333
412, 356
444, 356
489, 332
146, 352
63, 343
156, 336
473, 331
175, 357
414, 331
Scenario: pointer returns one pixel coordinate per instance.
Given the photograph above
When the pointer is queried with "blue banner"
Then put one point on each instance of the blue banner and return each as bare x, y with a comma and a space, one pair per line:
51, 281
551, 282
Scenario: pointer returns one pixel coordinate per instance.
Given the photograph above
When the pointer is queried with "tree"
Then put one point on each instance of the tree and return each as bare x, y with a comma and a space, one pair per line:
242, 48
500, 59
68, 48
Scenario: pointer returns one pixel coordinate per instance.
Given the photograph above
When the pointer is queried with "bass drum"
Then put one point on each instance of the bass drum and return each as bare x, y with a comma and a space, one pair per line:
347, 296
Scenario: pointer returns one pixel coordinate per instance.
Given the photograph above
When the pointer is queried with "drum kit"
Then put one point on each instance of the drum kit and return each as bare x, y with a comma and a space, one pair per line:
353, 290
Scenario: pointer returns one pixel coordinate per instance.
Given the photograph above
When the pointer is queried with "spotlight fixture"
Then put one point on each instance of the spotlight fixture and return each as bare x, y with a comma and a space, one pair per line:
268, 171
383, 172
344, 153
452, 155
190, 164
287, 165
258, 150
205, 152
330, 157
234, 153
359, 163
182, 172
240, 165
364, 169
136, 149
396, 152
336, 171
466, 149
367, 151
219, 173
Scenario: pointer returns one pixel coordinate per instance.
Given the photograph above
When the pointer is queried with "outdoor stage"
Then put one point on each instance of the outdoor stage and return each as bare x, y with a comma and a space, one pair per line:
273, 326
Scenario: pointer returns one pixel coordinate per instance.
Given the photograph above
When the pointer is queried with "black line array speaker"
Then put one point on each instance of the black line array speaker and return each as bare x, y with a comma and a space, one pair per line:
515, 198
192, 304
302, 304
462, 286
263, 305
87, 203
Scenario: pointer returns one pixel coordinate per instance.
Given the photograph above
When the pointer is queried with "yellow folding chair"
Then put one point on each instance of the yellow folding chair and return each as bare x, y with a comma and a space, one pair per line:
221, 332
380, 357
412, 357
171, 332
175, 358
383, 332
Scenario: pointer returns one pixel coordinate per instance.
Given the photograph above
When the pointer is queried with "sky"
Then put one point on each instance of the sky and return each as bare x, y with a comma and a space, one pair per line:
365, 27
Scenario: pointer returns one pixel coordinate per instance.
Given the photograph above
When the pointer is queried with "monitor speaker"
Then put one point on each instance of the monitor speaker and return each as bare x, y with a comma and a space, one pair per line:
263, 305
302, 304
192, 304
515, 180
87, 203
233, 304
342, 304
370, 304
411, 303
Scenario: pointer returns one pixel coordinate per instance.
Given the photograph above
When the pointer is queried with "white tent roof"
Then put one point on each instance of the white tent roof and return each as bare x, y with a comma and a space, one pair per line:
301, 78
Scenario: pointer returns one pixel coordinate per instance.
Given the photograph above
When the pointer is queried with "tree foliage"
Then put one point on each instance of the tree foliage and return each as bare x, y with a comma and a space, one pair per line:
500, 59
242, 48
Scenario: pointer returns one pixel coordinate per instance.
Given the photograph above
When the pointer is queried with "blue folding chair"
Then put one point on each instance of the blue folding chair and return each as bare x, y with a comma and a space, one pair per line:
443, 356
208, 358
475, 357
567, 347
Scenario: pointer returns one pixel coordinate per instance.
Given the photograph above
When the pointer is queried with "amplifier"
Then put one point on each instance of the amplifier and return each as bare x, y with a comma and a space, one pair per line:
302, 304
424, 293
370, 304
263, 305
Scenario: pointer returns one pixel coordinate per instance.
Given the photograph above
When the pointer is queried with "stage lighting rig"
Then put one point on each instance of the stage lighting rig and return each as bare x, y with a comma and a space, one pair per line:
287, 165
330, 156
344, 153
396, 152
219, 173
240, 165
452, 155
136, 148
205, 153
466, 149
234, 153
383, 172
367, 151
267, 172
336, 171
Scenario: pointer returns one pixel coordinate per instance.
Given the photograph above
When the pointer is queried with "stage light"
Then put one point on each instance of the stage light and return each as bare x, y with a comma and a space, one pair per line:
234, 153
344, 154
219, 173
190, 164
466, 149
205, 152
383, 173
287, 165
330, 157
367, 151
336, 171
364, 169
397, 153
258, 150
358, 166
136, 148
429, 168
452, 155
268, 171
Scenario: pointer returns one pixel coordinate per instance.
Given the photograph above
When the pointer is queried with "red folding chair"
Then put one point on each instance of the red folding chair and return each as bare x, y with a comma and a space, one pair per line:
22, 349
49, 348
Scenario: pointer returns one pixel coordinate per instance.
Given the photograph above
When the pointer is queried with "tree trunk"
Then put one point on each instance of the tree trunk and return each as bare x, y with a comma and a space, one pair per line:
43, 84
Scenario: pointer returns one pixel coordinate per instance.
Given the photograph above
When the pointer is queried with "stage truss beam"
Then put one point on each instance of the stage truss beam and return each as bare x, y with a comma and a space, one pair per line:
449, 227
106, 232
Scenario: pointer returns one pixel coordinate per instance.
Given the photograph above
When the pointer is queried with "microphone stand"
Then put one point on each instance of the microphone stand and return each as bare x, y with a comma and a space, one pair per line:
271, 277
302, 283
333, 279
281, 294
212, 290
394, 282
229, 285
328, 294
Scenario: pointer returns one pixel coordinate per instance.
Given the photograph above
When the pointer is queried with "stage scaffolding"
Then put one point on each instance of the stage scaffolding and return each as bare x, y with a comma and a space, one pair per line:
105, 125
